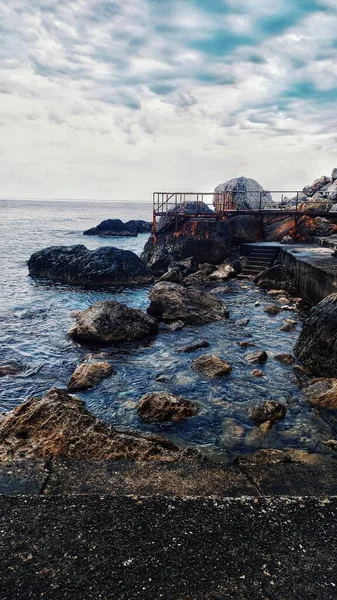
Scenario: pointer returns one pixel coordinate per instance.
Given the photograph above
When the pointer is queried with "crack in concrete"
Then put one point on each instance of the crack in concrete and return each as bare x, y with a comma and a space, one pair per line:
251, 480
49, 468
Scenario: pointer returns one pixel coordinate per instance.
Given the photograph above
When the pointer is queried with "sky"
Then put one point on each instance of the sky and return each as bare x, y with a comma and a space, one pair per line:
115, 99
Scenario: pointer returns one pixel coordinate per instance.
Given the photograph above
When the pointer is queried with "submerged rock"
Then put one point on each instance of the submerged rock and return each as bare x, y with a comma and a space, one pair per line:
258, 373
58, 425
317, 344
111, 322
259, 356
272, 309
268, 411
285, 359
76, 265
9, 369
87, 375
195, 346
161, 406
211, 365
172, 302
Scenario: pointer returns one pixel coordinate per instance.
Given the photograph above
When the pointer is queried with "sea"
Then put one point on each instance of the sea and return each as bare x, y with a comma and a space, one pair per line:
35, 317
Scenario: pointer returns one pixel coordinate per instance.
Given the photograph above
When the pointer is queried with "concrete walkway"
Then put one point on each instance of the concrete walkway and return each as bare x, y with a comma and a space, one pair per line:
179, 531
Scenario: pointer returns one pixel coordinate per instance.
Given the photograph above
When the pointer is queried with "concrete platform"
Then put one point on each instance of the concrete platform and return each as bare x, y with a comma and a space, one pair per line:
177, 531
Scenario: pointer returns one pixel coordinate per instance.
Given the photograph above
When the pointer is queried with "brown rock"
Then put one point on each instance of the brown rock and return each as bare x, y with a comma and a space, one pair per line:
322, 393
9, 370
285, 359
160, 406
88, 375
272, 309
245, 344
259, 356
111, 322
172, 302
267, 411
258, 373
211, 365
58, 425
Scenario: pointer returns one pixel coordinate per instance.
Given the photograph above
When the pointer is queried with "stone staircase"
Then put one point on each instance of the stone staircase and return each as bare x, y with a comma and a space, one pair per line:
259, 259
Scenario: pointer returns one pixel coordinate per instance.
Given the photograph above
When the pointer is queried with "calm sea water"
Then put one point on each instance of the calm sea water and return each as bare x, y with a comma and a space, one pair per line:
35, 318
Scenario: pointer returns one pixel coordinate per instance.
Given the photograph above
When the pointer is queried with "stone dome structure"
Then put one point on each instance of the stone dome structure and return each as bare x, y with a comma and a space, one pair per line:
242, 193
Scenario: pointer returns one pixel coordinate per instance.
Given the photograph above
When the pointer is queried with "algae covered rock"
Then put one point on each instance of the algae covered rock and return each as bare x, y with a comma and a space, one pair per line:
161, 406
110, 322
171, 302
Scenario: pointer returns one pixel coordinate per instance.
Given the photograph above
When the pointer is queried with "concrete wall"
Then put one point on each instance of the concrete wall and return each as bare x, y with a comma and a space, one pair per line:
313, 281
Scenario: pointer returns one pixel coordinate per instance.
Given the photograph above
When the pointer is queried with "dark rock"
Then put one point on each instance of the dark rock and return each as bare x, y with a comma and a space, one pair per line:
76, 265
173, 275
200, 277
111, 322
58, 425
242, 322
87, 375
172, 302
267, 411
195, 346
211, 365
176, 325
187, 266
245, 344
245, 229
334, 175
9, 369
111, 227
272, 309
285, 359
273, 277
158, 259
317, 345
324, 227
138, 226
259, 356
116, 228
207, 240
276, 228
161, 406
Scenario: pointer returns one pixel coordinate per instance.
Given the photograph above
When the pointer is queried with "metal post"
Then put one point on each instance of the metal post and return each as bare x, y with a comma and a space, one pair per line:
260, 204
296, 201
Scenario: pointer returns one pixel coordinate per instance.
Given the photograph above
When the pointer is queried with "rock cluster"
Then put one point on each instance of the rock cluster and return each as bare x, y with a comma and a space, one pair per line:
116, 228
108, 322
58, 425
76, 265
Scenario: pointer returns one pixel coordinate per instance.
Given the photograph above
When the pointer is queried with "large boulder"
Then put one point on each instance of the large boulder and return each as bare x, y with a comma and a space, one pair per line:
58, 425
76, 265
207, 240
110, 322
245, 228
317, 344
276, 228
242, 193
116, 228
171, 302
160, 406
322, 393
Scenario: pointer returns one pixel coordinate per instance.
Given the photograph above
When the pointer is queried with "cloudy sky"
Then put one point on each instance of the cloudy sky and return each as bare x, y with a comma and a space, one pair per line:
114, 99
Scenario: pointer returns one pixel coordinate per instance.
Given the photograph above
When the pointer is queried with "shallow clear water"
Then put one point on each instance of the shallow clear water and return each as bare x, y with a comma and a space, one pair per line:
35, 318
